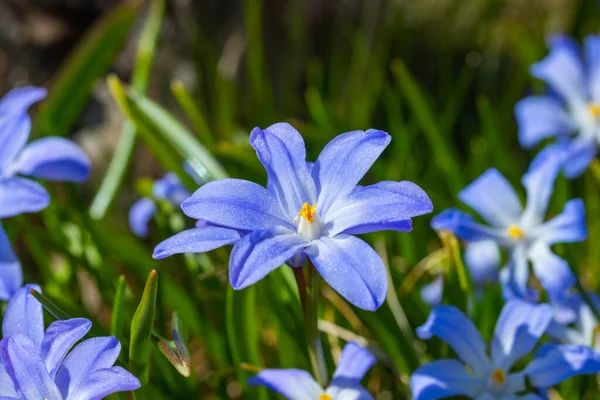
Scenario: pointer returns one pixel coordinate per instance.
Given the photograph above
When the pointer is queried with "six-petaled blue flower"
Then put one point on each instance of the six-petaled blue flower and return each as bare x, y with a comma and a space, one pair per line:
38, 365
297, 384
50, 158
523, 232
571, 112
306, 211
477, 376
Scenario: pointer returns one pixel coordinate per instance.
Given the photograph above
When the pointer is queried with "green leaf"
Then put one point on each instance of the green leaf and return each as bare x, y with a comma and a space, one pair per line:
113, 178
423, 112
52, 308
242, 332
117, 319
141, 330
90, 60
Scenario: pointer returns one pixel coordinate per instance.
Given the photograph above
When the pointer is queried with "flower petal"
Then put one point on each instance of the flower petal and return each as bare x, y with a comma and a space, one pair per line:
196, 240
7, 389
563, 71
518, 272
14, 132
592, 56
432, 292
352, 268
519, 327
20, 195
567, 227
293, 384
281, 150
540, 117
492, 196
354, 363
260, 252
54, 159
443, 378
553, 272
343, 162
89, 356
579, 154
237, 204
24, 315
483, 261
106, 381
26, 368
60, 337
463, 226
554, 364
140, 214
539, 184
377, 206
450, 325
342, 390
18, 101
11, 275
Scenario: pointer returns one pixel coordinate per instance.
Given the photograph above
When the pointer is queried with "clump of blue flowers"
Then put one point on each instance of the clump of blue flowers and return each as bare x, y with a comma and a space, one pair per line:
296, 384
306, 210
49, 158
524, 232
477, 376
49, 365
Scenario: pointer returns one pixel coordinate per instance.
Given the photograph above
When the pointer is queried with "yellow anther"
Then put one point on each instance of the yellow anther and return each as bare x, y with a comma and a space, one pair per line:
515, 232
308, 212
499, 376
325, 396
594, 109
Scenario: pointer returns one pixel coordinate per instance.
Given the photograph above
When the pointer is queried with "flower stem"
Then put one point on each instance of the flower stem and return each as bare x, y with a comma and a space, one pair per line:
301, 282
315, 347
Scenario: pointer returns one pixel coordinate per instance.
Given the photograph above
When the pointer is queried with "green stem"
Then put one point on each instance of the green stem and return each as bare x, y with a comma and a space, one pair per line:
586, 297
315, 347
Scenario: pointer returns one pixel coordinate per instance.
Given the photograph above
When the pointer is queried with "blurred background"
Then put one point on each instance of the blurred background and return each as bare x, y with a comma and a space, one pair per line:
441, 76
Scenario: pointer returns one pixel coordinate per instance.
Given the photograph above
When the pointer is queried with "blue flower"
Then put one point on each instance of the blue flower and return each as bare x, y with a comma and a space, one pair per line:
296, 384
519, 327
170, 189
571, 113
307, 211
34, 364
574, 322
524, 232
49, 158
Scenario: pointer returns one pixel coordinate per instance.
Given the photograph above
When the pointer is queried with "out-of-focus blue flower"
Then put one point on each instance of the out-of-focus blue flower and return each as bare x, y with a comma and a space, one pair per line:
34, 364
297, 384
481, 258
517, 332
50, 158
523, 232
170, 189
306, 211
574, 322
571, 112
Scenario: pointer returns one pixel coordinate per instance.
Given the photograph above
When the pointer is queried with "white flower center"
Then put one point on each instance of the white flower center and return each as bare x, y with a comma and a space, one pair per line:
309, 225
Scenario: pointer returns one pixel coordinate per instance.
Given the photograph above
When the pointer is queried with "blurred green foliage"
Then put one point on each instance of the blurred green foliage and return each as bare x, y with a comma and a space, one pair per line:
441, 80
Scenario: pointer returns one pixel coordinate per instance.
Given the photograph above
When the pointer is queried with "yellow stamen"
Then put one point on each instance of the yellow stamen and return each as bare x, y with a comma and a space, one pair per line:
499, 376
325, 396
515, 232
308, 212
594, 109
